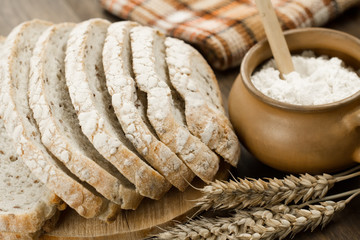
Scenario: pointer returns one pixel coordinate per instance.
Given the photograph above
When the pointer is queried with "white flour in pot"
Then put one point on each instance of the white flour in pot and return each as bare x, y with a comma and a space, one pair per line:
316, 80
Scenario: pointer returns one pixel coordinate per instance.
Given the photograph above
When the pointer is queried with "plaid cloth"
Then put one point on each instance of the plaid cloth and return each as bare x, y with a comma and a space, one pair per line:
223, 30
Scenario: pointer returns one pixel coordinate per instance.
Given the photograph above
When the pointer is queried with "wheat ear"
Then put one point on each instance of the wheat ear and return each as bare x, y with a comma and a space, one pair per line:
274, 222
244, 193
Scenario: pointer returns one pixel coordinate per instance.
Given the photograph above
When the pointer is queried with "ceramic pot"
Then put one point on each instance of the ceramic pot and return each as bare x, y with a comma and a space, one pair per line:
314, 139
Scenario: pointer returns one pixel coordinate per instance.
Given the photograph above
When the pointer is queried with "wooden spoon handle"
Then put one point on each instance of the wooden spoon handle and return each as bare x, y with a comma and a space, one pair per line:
275, 36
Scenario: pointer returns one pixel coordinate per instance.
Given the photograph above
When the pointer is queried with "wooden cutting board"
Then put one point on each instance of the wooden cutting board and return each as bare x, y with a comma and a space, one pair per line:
150, 217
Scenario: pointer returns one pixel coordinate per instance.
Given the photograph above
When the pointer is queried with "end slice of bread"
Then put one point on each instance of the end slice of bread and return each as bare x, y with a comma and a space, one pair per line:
122, 88
58, 123
22, 128
193, 78
165, 110
87, 86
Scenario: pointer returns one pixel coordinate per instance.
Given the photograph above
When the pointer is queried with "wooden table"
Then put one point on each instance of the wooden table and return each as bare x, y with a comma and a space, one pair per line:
345, 225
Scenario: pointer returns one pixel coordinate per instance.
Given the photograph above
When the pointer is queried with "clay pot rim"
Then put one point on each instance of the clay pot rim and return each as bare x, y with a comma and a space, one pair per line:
287, 106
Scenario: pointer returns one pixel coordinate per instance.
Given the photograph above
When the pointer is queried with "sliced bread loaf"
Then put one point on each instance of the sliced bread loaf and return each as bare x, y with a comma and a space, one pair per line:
58, 123
25, 203
87, 86
193, 78
22, 128
164, 110
129, 109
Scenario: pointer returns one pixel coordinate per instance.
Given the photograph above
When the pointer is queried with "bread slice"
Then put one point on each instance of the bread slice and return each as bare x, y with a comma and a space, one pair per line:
193, 78
164, 110
87, 86
21, 126
25, 203
129, 110
48, 226
60, 130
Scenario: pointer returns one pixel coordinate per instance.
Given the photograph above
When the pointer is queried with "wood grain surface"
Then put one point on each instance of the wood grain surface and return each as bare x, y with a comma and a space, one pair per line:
149, 218
346, 225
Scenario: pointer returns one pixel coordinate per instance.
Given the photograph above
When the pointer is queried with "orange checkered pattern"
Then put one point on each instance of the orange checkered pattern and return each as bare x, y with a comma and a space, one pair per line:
223, 30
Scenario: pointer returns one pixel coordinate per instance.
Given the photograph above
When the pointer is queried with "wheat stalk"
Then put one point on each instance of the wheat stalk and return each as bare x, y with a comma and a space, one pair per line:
274, 222
244, 193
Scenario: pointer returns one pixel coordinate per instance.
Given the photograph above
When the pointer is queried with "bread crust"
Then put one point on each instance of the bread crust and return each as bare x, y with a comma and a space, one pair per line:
19, 235
33, 220
22, 129
213, 127
56, 140
98, 128
47, 226
195, 154
122, 88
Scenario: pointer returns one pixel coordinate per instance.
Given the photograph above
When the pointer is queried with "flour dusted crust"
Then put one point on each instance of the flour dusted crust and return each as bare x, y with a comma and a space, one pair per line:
193, 78
21, 127
58, 124
122, 88
86, 81
166, 117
